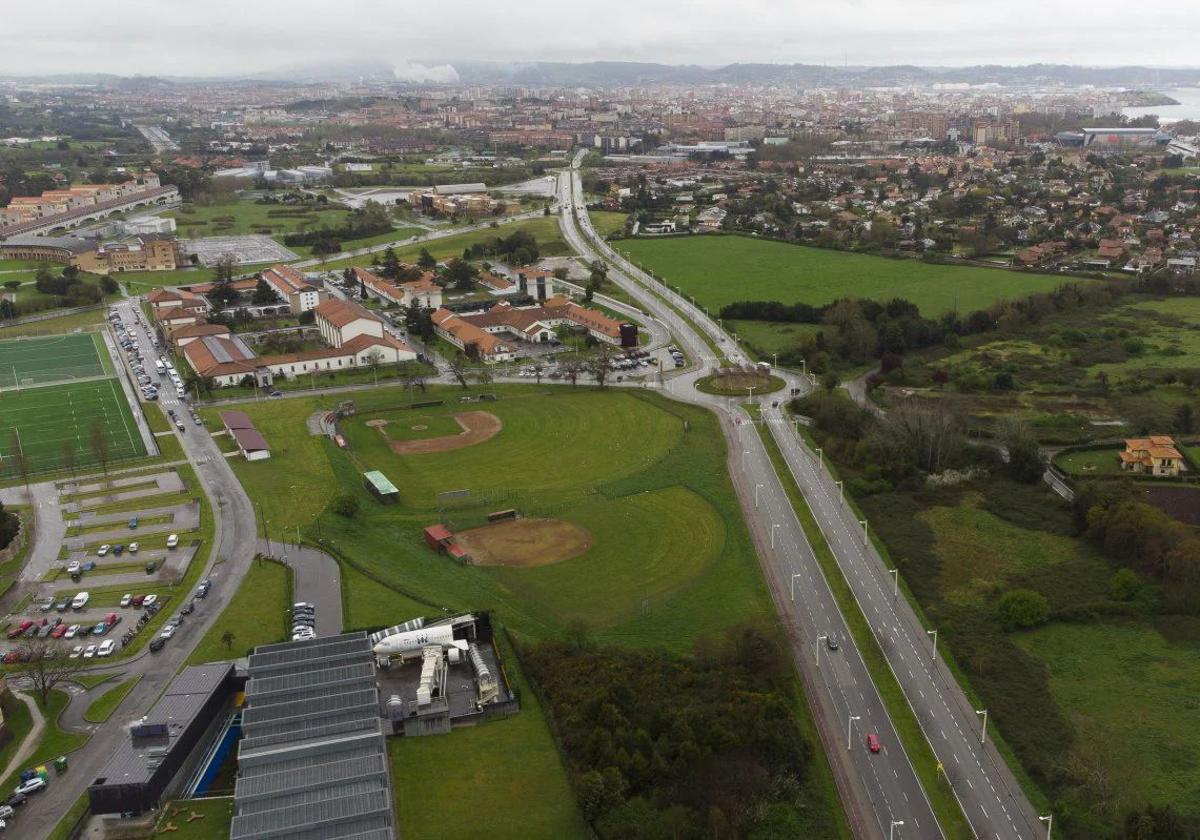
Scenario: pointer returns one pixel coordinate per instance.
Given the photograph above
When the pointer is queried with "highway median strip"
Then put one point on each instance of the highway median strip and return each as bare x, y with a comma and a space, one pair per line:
937, 788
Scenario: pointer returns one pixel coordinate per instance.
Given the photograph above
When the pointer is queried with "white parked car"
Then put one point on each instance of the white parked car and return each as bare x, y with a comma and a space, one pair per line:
172, 540
133, 547
72, 632
106, 648
80, 601
151, 599
167, 632
73, 567
103, 550
31, 786
127, 597
89, 651
76, 652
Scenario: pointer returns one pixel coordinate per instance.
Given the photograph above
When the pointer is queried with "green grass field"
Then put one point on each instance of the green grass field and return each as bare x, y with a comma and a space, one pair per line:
54, 326
140, 282
1131, 695
722, 269
103, 706
48, 419
237, 218
1090, 462
257, 615
671, 559
59, 358
544, 230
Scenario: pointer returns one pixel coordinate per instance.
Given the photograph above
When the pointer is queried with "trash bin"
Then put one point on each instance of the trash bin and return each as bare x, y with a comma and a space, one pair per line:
60, 764
43, 772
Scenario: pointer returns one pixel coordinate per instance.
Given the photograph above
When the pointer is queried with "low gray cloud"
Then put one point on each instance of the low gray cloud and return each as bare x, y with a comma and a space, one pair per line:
223, 37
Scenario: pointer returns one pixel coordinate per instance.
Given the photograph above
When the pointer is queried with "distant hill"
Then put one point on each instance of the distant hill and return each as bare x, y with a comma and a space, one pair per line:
608, 73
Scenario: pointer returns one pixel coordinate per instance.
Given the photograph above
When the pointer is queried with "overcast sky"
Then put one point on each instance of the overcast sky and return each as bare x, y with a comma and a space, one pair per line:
223, 37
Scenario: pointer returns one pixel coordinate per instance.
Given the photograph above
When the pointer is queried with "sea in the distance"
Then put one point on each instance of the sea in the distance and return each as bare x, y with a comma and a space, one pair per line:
1187, 109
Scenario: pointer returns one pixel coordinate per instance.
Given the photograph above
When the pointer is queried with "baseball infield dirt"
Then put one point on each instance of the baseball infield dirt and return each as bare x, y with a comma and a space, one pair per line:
525, 542
477, 426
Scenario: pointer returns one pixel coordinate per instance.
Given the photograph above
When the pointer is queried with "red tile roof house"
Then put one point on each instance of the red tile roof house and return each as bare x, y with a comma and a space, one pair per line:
471, 339
291, 285
423, 290
536, 324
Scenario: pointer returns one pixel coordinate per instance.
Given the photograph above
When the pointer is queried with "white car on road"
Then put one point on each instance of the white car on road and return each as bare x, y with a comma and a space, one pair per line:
89, 651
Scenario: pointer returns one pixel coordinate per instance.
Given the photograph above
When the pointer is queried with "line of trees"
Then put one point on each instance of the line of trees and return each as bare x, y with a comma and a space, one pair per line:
661, 745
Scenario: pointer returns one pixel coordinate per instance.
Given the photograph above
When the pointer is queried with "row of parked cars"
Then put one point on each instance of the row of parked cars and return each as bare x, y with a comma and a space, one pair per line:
32, 781
304, 621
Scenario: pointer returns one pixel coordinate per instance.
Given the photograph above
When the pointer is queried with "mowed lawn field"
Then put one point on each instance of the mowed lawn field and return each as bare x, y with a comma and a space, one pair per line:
544, 230
236, 217
43, 422
719, 270
670, 559
59, 358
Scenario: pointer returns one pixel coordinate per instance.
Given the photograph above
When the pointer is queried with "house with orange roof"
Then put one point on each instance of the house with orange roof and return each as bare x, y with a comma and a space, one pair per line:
471, 339
422, 290
1155, 455
291, 285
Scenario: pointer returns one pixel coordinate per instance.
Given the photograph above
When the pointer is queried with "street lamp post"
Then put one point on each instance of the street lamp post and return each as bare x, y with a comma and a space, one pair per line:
820, 456
895, 573
1049, 821
892, 830
773, 527
933, 653
850, 729
794, 586
863, 523
841, 485
756, 489
983, 731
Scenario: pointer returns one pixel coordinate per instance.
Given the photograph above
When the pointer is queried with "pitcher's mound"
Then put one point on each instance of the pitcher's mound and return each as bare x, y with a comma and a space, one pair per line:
477, 426
525, 542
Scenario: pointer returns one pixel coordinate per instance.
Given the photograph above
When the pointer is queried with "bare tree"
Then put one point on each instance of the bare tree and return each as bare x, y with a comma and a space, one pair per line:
20, 463
374, 360
99, 443
227, 639
43, 666
68, 455
600, 365
458, 367
537, 371
483, 376
571, 369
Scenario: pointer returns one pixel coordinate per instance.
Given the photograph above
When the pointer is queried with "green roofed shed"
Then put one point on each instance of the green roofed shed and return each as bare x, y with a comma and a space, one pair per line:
381, 488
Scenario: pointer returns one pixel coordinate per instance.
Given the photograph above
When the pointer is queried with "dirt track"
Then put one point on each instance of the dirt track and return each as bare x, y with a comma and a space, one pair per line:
477, 426
525, 542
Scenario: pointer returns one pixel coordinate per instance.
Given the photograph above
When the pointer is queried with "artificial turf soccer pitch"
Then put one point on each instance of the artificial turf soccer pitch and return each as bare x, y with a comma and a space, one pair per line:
40, 421
55, 358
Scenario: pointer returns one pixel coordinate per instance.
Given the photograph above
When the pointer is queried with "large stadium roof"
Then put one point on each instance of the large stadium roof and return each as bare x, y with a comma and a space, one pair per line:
312, 760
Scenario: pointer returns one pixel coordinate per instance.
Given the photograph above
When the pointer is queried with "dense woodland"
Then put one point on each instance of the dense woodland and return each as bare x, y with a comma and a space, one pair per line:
666, 746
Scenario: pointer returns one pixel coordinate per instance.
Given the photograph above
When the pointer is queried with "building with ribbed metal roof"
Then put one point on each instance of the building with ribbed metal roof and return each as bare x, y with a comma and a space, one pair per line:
312, 763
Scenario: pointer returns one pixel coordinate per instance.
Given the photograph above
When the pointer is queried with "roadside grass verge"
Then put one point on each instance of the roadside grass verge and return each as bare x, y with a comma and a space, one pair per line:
103, 706
256, 615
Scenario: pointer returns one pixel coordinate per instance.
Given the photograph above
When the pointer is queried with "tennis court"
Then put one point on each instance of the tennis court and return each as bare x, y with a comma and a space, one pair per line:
53, 358
44, 423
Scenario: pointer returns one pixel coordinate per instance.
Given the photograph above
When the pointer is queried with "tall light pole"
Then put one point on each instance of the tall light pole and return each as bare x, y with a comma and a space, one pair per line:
1049, 821
794, 586
892, 830
895, 573
820, 456
841, 485
982, 732
850, 729
863, 523
756, 489
745, 452
933, 654
775, 357
773, 527
817, 648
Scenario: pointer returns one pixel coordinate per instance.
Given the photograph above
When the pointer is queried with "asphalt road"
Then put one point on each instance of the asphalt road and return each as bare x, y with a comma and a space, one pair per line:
991, 799
235, 536
877, 788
